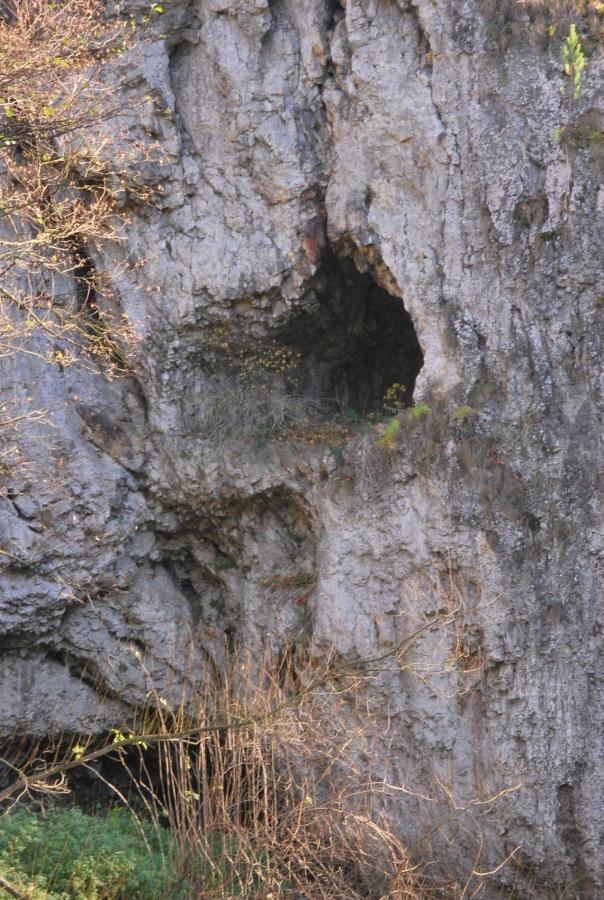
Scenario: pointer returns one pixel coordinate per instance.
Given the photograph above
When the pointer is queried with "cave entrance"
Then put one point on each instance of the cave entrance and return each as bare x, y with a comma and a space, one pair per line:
356, 340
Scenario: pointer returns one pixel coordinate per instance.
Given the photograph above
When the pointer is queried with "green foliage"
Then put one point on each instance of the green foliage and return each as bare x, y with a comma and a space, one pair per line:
574, 60
579, 135
256, 362
388, 438
419, 412
225, 865
394, 398
68, 855
462, 414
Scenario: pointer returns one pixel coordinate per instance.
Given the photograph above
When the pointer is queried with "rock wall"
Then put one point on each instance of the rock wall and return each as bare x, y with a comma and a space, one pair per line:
395, 192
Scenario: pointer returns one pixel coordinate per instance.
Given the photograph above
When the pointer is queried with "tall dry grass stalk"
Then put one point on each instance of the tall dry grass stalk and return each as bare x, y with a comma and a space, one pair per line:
275, 802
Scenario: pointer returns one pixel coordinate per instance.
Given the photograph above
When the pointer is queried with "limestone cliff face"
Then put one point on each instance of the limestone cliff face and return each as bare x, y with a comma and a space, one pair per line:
382, 189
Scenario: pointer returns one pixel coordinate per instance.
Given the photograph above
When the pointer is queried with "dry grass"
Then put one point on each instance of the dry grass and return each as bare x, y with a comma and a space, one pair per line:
235, 413
276, 804
256, 773
259, 768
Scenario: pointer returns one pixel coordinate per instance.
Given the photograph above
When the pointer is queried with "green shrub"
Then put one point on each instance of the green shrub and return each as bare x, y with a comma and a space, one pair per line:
389, 435
573, 59
462, 414
69, 855
395, 397
419, 411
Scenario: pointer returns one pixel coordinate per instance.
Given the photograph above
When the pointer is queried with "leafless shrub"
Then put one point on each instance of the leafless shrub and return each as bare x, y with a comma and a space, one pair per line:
278, 807
62, 184
261, 766
236, 412
257, 777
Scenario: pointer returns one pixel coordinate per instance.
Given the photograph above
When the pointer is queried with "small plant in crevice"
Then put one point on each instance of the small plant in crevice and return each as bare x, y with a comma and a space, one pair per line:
574, 61
289, 582
419, 411
542, 21
395, 398
388, 438
580, 135
461, 414
575, 134
390, 432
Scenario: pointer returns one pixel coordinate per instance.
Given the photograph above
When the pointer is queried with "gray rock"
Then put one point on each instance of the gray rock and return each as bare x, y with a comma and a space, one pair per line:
315, 154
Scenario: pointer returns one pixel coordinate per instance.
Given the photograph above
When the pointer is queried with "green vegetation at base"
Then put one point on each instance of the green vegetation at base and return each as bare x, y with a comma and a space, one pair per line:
66, 854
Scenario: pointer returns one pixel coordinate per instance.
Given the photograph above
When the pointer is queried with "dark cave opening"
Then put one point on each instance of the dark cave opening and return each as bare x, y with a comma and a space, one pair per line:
348, 345
355, 341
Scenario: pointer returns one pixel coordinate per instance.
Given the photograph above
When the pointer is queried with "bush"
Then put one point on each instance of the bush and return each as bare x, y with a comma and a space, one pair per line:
69, 855
419, 411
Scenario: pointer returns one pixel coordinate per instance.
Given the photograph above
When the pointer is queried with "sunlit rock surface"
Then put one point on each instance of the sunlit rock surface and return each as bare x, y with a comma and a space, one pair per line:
379, 188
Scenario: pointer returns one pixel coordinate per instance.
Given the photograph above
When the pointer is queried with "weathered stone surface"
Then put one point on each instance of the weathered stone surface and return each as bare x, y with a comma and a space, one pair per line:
406, 137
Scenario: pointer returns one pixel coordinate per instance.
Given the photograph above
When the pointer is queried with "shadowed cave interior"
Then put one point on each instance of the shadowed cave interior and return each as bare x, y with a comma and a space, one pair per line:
341, 352
355, 340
